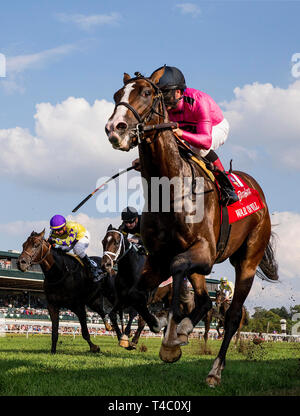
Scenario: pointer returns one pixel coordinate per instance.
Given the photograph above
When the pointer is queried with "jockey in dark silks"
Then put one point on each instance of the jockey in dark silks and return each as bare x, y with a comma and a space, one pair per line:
131, 225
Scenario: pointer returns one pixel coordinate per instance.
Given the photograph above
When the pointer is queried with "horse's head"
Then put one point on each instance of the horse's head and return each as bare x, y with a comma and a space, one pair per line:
137, 102
113, 246
32, 251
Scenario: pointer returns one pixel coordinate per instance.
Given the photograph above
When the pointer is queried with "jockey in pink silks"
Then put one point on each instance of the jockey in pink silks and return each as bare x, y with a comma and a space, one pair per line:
201, 124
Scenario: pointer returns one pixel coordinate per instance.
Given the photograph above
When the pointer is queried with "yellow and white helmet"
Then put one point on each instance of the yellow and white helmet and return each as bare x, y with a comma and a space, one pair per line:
223, 280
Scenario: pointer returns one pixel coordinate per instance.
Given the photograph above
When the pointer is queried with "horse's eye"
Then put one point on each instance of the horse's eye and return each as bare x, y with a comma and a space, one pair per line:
147, 93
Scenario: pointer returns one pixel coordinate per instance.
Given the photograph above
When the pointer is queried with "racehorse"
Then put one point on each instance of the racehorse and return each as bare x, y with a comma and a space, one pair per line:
109, 294
66, 284
218, 312
179, 246
119, 252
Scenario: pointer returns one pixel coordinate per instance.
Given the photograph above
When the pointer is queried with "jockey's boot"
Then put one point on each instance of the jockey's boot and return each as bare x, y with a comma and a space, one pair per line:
228, 194
92, 268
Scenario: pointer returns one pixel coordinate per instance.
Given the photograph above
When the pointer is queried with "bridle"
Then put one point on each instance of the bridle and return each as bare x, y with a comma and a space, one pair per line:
117, 255
141, 127
32, 256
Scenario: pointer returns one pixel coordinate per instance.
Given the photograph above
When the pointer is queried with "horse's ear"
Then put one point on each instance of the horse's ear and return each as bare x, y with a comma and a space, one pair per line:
32, 234
156, 75
110, 227
42, 234
126, 77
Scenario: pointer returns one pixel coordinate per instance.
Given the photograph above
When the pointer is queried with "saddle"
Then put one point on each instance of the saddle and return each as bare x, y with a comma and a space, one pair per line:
249, 198
76, 258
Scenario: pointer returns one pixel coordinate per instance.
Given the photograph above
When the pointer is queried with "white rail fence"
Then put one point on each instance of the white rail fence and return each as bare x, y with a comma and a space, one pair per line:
29, 327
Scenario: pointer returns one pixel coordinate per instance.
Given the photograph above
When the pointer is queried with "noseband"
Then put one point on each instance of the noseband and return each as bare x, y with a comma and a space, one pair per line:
118, 252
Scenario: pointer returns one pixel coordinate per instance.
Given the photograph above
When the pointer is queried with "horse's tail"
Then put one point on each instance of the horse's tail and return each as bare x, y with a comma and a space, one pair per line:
268, 267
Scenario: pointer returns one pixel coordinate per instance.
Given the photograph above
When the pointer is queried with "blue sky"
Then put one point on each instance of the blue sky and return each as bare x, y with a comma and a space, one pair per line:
66, 59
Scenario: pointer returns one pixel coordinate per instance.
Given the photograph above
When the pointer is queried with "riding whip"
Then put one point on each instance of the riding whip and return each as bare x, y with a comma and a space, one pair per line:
97, 189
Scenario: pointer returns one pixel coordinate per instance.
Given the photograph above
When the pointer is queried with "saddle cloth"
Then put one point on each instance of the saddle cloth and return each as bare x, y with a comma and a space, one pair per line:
249, 200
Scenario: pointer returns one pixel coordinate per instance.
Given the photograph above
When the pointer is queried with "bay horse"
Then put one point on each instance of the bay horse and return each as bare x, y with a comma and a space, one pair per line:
66, 285
218, 312
176, 245
119, 252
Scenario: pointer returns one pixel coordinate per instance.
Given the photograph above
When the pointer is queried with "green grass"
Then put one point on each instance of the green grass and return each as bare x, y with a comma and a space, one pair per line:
28, 369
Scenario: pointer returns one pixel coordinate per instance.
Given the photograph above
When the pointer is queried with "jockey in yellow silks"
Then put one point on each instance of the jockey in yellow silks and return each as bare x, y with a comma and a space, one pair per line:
227, 288
70, 235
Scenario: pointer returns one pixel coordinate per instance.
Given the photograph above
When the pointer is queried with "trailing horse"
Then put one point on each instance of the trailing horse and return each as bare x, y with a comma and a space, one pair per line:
218, 312
119, 251
176, 245
66, 284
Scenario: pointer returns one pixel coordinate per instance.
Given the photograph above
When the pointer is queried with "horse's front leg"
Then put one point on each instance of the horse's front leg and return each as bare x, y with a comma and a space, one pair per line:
203, 304
231, 324
207, 321
141, 326
150, 279
80, 312
54, 315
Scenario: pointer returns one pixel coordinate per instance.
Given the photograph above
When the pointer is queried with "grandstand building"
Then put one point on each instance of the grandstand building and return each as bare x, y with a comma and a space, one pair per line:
13, 281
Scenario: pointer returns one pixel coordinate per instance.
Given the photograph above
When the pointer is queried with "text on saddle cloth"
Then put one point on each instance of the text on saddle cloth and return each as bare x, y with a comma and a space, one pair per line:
249, 200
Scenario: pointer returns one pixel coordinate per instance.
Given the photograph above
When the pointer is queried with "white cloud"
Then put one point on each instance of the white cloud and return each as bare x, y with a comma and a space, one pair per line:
20, 63
286, 226
69, 150
87, 22
265, 116
189, 8
16, 65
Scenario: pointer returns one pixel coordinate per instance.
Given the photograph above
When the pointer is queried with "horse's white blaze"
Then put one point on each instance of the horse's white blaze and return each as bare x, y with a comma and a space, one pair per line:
121, 109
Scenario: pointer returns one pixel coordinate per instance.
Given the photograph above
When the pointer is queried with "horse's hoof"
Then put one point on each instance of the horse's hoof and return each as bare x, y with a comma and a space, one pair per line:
170, 354
184, 340
213, 381
124, 342
131, 346
95, 349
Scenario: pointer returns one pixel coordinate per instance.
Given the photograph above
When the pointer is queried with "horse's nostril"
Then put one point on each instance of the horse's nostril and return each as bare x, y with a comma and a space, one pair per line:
121, 126
114, 140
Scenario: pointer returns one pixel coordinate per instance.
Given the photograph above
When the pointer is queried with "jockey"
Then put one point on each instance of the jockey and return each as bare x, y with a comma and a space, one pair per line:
227, 288
131, 225
201, 124
69, 235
